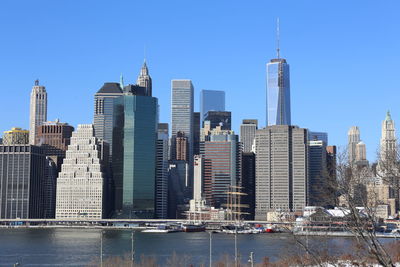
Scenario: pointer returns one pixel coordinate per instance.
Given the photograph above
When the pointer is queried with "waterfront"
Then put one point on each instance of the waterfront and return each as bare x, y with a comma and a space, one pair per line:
79, 247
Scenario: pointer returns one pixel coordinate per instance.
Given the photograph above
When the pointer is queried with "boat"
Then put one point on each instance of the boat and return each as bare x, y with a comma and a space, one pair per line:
162, 228
193, 227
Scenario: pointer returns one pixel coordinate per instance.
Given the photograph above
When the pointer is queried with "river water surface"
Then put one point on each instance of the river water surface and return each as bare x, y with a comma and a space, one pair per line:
79, 247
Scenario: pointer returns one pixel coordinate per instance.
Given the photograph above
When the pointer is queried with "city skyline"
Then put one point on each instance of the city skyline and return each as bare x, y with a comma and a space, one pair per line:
336, 85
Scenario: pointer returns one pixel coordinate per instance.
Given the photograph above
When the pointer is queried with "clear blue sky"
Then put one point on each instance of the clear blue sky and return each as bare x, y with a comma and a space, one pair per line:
344, 57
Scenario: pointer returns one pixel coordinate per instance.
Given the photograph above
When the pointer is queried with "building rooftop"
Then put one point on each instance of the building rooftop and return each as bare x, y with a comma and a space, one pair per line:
110, 88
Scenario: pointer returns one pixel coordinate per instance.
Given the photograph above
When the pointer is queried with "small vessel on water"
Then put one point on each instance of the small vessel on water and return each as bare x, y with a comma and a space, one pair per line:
193, 227
162, 228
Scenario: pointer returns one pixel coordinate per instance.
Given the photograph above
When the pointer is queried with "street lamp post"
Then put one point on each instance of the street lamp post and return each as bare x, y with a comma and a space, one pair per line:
210, 248
251, 259
133, 248
101, 248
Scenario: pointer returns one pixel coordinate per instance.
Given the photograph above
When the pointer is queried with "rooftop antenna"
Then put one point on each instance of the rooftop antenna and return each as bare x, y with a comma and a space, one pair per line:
277, 38
144, 52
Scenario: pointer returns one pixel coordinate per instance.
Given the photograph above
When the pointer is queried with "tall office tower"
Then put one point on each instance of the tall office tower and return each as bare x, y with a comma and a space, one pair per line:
318, 176
38, 110
281, 169
182, 116
104, 110
182, 147
353, 139
197, 202
332, 172
278, 90
388, 139
21, 172
196, 133
80, 184
219, 118
16, 136
222, 165
134, 153
211, 100
162, 171
54, 138
321, 136
49, 184
248, 130
361, 155
144, 79
248, 182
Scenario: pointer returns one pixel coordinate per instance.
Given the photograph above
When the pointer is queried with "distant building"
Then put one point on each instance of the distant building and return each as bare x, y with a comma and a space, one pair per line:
388, 143
182, 147
278, 92
16, 136
318, 174
104, 111
21, 189
134, 153
222, 165
38, 110
281, 170
54, 138
182, 105
353, 139
162, 165
322, 136
81, 182
219, 118
211, 100
144, 80
248, 182
248, 130
196, 133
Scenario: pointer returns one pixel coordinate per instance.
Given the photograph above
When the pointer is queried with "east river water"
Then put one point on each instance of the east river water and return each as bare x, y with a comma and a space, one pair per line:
79, 247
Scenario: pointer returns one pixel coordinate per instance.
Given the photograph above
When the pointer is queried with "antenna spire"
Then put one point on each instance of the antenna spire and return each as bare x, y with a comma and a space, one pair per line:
277, 38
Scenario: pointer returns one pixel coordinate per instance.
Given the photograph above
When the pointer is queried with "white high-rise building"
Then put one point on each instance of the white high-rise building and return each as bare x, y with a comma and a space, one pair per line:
81, 180
353, 138
248, 130
388, 138
38, 110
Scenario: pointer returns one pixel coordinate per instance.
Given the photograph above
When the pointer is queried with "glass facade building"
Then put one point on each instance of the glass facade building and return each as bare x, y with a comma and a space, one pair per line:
211, 100
103, 111
278, 93
134, 155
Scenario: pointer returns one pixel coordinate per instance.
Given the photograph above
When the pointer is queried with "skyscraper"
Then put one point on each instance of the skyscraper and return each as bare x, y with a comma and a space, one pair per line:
182, 117
144, 79
196, 133
388, 139
318, 176
80, 185
248, 182
104, 110
21, 171
211, 100
53, 138
248, 130
222, 165
38, 110
278, 90
353, 139
134, 153
162, 171
219, 118
281, 169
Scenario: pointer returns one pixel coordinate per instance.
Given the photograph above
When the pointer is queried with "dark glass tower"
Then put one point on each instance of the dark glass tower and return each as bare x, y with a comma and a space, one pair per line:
278, 93
134, 154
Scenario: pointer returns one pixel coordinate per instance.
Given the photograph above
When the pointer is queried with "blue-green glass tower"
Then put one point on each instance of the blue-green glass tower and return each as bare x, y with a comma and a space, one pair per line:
134, 153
